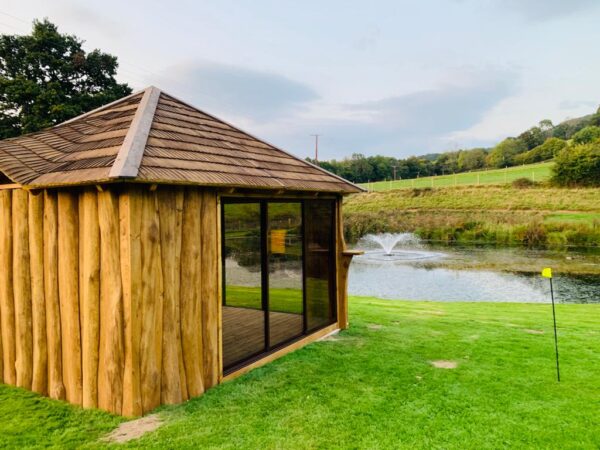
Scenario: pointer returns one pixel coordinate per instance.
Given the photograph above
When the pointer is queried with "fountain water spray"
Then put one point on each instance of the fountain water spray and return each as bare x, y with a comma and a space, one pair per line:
388, 241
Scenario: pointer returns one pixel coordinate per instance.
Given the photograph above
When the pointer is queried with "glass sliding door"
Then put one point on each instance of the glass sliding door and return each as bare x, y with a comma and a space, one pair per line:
243, 312
286, 309
320, 263
278, 274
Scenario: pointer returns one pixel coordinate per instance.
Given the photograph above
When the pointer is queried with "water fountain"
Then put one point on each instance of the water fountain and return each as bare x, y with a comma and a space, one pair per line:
384, 247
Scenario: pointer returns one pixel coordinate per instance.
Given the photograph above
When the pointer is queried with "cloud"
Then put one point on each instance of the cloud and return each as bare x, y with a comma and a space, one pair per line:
239, 91
287, 112
539, 10
415, 123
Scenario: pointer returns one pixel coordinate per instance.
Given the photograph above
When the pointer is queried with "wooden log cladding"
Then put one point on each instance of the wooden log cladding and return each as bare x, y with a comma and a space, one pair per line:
56, 388
38, 303
191, 307
170, 207
110, 297
130, 207
68, 289
89, 292
22, 290
209, 289
112, 346
7, 305
151, 304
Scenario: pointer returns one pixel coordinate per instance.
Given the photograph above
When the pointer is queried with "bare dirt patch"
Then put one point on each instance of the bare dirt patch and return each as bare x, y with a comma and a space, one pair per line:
374, 326
134, 429
534, 331
444, 364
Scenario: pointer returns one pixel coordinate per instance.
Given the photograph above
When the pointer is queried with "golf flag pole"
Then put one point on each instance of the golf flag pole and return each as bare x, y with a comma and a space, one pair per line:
547, 273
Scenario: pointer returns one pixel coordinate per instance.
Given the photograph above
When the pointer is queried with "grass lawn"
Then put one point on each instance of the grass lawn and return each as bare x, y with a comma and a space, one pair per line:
373, 387
535, 172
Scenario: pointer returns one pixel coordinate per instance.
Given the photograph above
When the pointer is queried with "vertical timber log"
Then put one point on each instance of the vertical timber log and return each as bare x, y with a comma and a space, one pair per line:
89, 291
343, 260
56, 387
170, 242
68, 289
112, 347
152, 304
130, 207
22, 289
38, 303
7, 305
191, 307
179, 202
210, 307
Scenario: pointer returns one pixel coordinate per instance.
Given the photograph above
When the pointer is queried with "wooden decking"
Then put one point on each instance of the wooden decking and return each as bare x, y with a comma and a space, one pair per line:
244, 329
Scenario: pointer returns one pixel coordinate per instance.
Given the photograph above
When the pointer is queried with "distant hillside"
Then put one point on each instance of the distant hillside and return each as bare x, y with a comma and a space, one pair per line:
539, 143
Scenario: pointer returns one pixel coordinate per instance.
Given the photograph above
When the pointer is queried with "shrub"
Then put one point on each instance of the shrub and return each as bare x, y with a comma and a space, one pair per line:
522, 183
578, 166
587, 135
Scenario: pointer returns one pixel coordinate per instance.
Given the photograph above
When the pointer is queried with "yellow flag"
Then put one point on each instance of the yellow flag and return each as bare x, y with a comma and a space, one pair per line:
547, 272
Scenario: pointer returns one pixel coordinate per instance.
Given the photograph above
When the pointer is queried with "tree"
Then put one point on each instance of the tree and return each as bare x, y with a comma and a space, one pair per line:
587, 135
471, 159
532, 137
47, 78
578, 166
546, 125
548, 150
503, 154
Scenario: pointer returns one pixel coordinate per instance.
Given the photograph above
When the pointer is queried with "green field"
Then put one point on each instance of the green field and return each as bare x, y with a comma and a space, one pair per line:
535, 172
374, 386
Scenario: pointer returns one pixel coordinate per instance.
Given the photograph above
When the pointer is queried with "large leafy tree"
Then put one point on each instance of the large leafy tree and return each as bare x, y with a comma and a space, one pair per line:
46, 78
578, 166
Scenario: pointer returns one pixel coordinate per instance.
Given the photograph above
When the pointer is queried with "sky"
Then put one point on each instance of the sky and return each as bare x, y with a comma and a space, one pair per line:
397, 78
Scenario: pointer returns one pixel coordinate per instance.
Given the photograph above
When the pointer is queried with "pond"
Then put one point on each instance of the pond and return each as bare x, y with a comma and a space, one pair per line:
412, 270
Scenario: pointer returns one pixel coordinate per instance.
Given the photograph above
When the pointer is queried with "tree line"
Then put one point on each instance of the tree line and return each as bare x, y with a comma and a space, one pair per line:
542, 142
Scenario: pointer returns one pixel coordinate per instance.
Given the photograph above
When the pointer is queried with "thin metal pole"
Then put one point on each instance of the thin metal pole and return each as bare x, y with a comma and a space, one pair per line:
555, 333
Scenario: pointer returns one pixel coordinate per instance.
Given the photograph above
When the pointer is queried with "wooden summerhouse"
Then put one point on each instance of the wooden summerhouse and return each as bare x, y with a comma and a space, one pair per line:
149, 251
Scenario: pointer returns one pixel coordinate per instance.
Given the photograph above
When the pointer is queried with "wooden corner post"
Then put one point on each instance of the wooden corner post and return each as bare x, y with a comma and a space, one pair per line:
344, 258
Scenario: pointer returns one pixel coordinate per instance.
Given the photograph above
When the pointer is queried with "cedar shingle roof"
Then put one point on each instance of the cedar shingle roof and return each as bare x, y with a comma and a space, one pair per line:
153, 137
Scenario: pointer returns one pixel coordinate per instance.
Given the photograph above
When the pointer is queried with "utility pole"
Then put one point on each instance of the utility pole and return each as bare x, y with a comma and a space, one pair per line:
316, 146
394, 167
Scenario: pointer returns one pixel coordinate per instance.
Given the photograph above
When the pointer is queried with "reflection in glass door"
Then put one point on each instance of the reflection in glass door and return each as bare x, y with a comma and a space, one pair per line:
286, 319
243, 313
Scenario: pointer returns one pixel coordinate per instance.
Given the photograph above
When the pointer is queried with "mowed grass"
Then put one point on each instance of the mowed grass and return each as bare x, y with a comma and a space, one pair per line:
374, 386
535, 172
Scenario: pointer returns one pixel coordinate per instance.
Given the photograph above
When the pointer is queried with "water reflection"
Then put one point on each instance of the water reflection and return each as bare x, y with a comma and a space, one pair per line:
418, 273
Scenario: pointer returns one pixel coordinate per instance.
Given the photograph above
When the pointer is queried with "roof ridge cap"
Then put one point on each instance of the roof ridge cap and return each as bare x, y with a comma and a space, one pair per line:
129, 158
